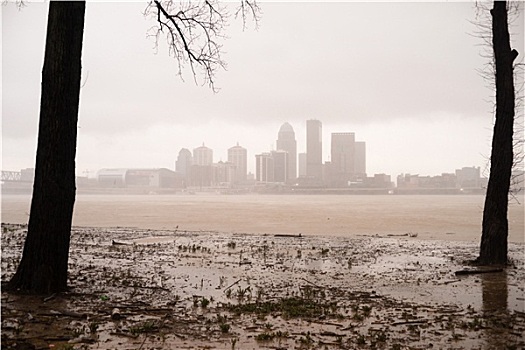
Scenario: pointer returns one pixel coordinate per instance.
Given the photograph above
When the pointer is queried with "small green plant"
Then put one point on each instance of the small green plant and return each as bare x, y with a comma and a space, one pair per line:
224, 327
381, 337
243, 293
361, 340
290, 307
358, 317
475, 324
93, 326
231, 245
413, 328
324, 251
264, 337
307, 339
260, 294
77, 332
144, 327
205, 302
366, 310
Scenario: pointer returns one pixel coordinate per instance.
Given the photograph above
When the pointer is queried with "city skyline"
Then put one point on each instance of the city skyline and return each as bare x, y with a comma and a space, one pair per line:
409, 85
206, 156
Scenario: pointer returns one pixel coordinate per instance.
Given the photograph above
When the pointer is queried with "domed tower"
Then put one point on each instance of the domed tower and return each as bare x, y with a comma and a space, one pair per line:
202, 155
239, 156
286, 142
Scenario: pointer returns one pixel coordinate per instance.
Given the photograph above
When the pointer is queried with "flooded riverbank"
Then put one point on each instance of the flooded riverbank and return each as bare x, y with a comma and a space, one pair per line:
171, 289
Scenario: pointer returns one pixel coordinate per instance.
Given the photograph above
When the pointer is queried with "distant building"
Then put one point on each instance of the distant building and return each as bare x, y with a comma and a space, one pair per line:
264, 171
202, 176
443, 181
376, 181
225, 174
184, 162
280, 165
147, 178
360, 158
468, 177
302, 164
286, 142
238, 156
348, 161
112, 177
341, 169
314, 149
203, 156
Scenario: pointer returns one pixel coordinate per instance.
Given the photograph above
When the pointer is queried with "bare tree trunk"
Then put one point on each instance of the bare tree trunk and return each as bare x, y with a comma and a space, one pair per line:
44, 264
493, 249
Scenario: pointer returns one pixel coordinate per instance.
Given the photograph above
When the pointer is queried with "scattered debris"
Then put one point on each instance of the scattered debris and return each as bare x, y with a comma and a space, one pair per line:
170, 292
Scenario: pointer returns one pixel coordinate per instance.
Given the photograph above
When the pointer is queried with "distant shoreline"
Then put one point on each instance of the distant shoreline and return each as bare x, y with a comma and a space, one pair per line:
27, 190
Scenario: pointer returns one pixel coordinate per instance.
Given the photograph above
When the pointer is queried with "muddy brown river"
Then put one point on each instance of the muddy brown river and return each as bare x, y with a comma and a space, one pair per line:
441, 217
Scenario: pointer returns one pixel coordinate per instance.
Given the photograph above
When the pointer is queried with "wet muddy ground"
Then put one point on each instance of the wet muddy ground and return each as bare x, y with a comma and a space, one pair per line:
165, 289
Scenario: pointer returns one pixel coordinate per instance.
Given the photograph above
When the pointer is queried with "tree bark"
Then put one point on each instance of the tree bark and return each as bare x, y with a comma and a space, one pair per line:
493, 249
44, 263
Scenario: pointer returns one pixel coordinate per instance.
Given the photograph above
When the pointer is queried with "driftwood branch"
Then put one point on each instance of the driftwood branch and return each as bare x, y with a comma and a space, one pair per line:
288, 235
313, 284
475, 272
231, 285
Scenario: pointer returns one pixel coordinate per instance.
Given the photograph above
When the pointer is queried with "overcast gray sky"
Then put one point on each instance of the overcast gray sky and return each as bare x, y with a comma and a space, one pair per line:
402, 76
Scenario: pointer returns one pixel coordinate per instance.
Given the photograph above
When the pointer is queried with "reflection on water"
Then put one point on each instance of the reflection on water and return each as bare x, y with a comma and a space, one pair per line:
495, 293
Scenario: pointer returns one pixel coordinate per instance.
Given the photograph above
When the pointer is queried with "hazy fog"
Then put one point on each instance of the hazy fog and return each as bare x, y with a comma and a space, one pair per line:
402, 76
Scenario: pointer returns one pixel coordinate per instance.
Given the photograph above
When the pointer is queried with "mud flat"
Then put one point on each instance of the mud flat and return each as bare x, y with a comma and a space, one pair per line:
168, 289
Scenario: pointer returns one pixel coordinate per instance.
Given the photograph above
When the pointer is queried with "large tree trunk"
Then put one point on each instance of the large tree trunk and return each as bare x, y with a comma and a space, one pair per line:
493, 250
44, 264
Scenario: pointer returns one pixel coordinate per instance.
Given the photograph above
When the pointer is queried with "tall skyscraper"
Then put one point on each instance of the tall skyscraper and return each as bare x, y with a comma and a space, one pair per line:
238, 156
202, 156
314, 149
264, 167
184, 162
302, 164
360, 158
342, 153
280, 165
286, 142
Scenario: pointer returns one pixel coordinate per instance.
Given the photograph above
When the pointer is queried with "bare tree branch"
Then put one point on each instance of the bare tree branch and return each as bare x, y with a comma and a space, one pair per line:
19, 3
248, 9
194, 32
